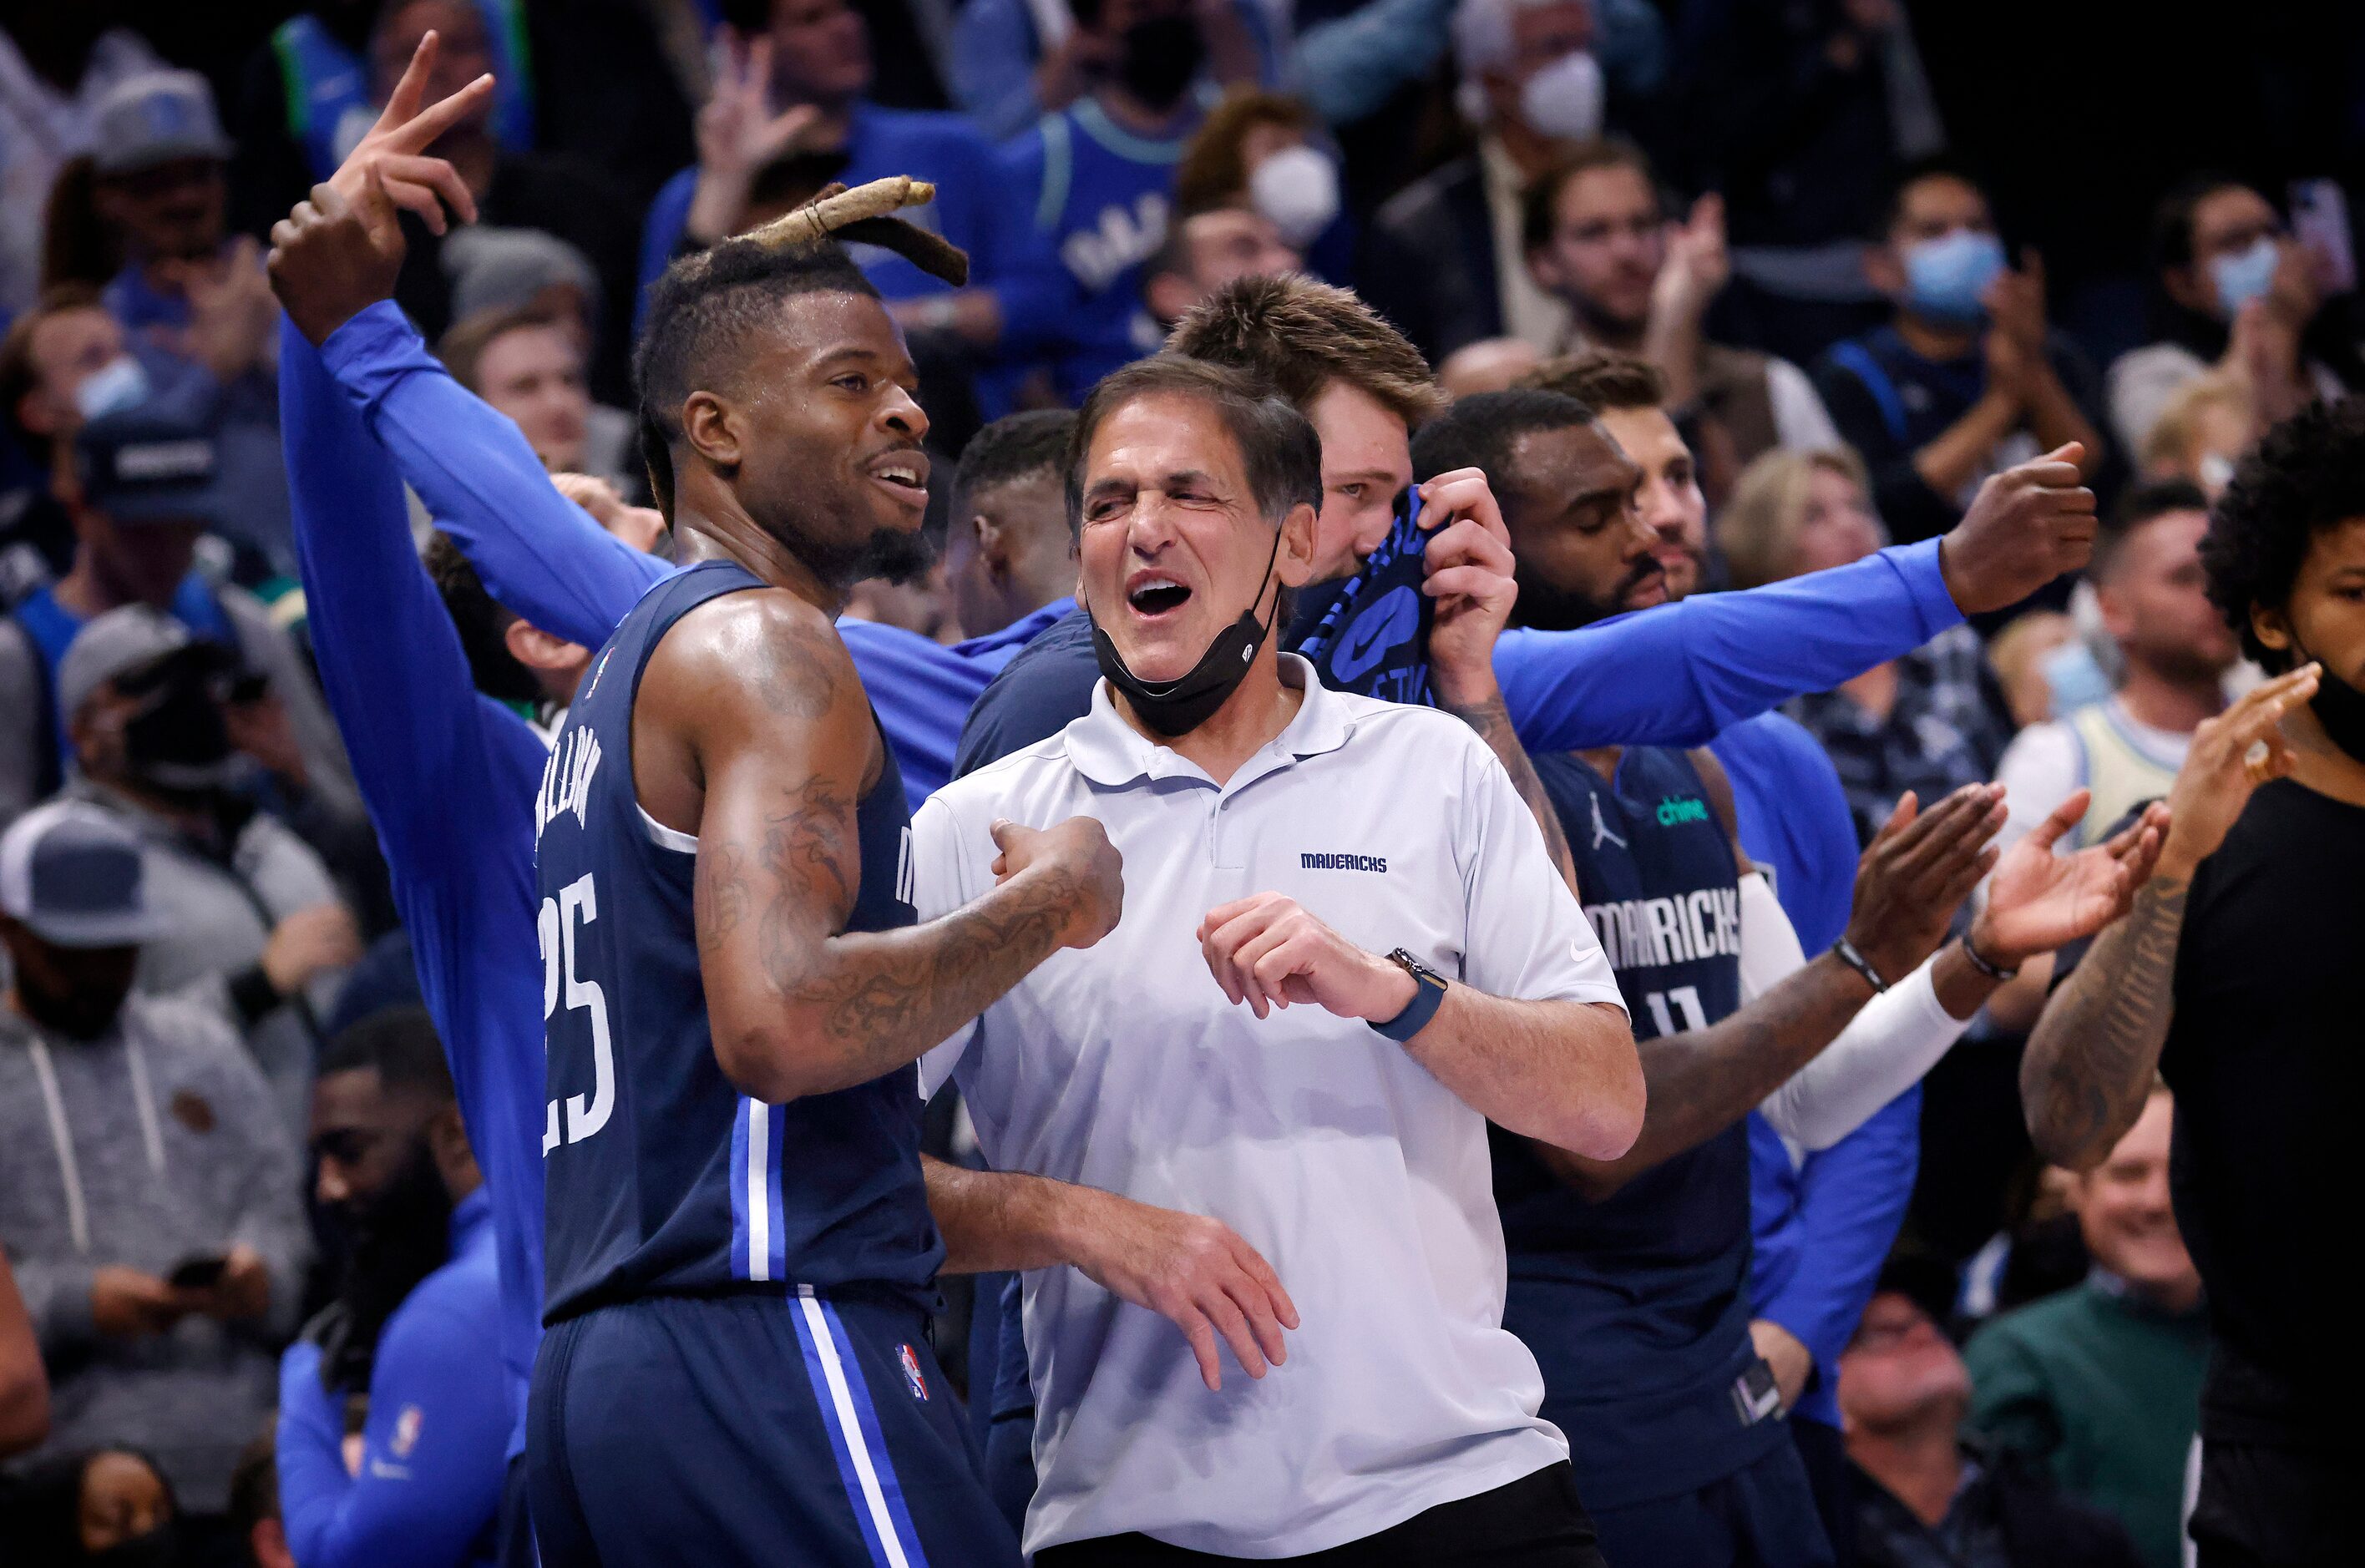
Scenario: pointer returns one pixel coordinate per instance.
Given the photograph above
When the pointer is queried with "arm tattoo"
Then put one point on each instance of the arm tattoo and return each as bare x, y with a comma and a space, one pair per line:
2089, 1063
1491, 719
791, 671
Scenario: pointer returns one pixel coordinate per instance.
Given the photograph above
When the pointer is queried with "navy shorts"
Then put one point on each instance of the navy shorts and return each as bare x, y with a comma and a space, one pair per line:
1762, 1515
754, 1429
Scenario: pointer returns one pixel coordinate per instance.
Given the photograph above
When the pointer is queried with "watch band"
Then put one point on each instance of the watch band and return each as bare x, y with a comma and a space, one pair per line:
1428, 996
1845, 951
1984, 964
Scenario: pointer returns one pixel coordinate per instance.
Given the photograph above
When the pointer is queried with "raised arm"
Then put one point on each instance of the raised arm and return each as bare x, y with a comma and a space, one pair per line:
2091, 1061
1680, 674
1193, 1270
751, 708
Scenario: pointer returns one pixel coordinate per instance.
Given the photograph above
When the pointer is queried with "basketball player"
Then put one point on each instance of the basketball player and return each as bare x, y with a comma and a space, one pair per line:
739, 1231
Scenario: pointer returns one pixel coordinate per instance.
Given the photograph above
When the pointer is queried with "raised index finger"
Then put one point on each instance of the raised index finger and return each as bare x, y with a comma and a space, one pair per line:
403, 102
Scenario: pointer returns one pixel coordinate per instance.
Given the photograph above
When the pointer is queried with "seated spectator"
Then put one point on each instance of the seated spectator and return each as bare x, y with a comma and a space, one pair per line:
1931, 722
148, 1190
58, 64
414, 1331
1099, 178
24, 1387
1490, 364
1969, 378
251, 921
186, 289
2101, 1383
108, 1504
254, 1508
2018, 655
1263, 151
2202, 432
527, 361
1012, 62
1596, 238
63, 354
797, 80
1009, 551
1444, 260
494, 269
1206, 250
1923, 1497
2236, 294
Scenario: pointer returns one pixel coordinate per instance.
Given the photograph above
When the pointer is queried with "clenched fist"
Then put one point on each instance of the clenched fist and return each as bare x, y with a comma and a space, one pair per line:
1077, 851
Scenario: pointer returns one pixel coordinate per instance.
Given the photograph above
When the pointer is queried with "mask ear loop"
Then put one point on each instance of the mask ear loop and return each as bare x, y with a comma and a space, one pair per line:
1268, 623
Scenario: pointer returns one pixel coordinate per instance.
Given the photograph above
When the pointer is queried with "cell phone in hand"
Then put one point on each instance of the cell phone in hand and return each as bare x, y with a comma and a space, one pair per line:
2319, 220
200, 1272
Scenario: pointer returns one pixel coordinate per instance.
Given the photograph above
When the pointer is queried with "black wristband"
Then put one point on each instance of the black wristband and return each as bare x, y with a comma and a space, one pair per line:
1844, 950
1982, 963
252, 993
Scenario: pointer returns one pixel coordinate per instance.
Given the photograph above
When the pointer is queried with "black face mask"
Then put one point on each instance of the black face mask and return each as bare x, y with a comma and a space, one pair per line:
157, 1549
1159, 58
175, 741
1179, 706
2340, 707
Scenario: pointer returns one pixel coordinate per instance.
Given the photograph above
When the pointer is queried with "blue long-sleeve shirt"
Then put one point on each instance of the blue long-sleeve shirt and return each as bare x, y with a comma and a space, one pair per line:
430, 1486
543, 557
1819, 1229
448, 776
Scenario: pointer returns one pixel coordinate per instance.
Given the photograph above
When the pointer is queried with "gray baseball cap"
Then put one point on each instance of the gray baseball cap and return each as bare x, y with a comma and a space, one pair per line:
501, 269
156, 116
115, 643
74, 874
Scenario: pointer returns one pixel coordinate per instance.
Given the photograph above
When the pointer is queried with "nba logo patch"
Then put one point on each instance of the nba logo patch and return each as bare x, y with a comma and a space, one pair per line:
918, 1385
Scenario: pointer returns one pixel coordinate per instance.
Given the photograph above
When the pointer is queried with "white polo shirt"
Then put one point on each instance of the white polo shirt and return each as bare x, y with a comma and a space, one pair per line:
1362, 1180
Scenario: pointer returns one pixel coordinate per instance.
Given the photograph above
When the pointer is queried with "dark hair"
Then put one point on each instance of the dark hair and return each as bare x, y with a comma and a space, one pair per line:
2171, 221
77, 244
1299, 336
707, 308
462, 347
2306, 477
254, 1484
1539, 208
399, 1044
1015, 446
2139, 505
18, 373
1479, 430
1936, 166
481, 622
1600, 379
1212, 172
1278, 447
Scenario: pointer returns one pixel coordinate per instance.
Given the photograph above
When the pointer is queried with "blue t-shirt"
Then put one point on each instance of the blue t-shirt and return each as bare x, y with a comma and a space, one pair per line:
727, 1192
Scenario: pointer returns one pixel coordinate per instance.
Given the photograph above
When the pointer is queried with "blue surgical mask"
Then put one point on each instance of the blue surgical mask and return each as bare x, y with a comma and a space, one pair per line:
1945, 276
2246, 274
120, 383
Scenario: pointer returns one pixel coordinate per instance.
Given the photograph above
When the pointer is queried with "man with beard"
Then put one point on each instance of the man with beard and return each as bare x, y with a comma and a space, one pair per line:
737, 987
1628, 1277
2234, 979
147, 1190
413, 1337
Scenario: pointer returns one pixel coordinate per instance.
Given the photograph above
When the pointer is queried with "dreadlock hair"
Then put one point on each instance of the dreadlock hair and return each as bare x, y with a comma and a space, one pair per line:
1479, 431
1299, 336
2306, 477
1601, 379
705, 310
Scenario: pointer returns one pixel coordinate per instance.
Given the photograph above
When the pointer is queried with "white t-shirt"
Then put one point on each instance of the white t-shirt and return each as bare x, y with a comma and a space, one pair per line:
1359, 1176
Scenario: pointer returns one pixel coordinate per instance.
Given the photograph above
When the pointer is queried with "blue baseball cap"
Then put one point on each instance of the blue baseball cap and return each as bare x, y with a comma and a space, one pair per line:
74, 874
157, 461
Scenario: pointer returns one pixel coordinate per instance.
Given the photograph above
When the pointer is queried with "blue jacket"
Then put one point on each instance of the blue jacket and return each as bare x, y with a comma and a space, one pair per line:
1820, 1229
448, 776
430, 1489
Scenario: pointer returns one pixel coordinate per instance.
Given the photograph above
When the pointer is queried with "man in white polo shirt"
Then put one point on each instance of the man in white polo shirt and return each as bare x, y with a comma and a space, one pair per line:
1344, 950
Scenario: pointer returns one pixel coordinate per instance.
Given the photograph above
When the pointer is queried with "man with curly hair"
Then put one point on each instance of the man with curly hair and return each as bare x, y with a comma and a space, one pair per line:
2232, 978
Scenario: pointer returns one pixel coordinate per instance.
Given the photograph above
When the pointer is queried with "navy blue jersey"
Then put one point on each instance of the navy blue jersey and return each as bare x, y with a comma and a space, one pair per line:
662, 1177
1636, 1307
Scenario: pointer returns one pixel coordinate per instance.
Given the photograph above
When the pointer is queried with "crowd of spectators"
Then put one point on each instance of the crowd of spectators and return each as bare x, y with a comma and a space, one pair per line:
1861, 278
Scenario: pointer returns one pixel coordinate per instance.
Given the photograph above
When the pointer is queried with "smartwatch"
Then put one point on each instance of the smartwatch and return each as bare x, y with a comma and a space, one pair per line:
1428, 995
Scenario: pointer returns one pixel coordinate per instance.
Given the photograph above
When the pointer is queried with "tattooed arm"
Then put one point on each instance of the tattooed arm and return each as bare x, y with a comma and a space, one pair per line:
1493, 723
2089, 1066
1913, 875
751, 729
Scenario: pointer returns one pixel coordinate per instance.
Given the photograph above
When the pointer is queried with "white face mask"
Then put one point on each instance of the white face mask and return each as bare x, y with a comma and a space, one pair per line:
120, 383
1297, 191
1563, 99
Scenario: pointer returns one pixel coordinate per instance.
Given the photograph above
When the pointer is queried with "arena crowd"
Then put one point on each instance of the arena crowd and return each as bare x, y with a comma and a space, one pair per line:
1145, 782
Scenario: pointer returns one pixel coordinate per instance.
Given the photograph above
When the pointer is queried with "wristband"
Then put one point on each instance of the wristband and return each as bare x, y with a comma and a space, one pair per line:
1428, 996
1844, 950
1982, 963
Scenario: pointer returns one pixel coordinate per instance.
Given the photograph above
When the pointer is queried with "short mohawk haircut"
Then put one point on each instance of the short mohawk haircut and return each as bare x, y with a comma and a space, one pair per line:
1015, 447
706, 307
1299, 336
